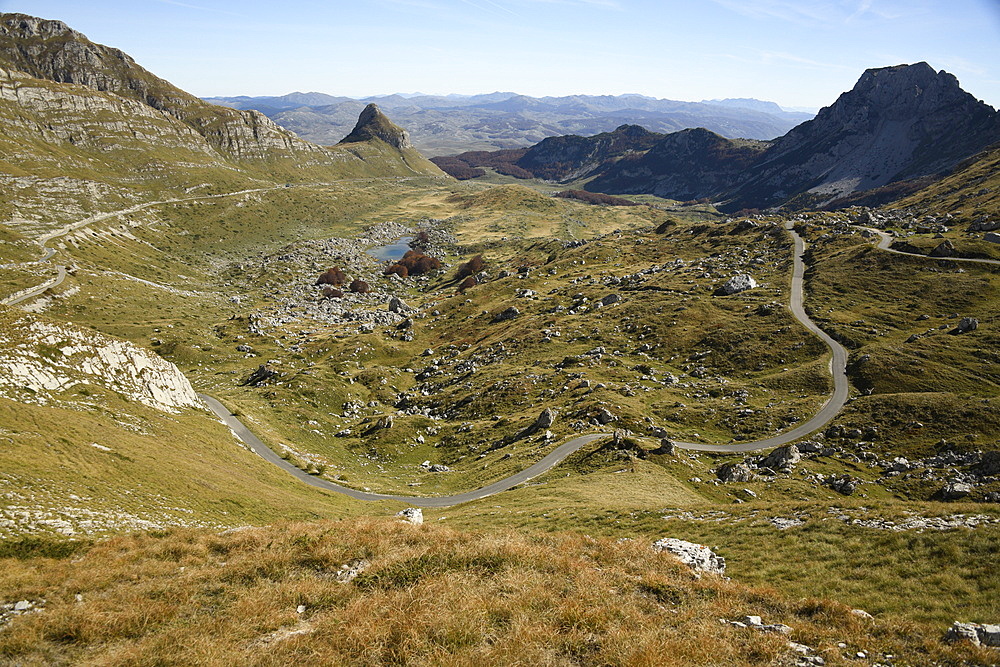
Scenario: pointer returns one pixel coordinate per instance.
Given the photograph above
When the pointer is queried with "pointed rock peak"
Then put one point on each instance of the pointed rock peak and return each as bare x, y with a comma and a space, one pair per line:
373, 124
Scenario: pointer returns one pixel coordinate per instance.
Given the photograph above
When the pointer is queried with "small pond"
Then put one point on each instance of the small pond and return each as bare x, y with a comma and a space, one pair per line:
391, 252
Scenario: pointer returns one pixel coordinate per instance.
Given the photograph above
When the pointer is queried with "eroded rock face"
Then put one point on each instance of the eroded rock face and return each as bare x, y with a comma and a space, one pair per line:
40, 360
696, 556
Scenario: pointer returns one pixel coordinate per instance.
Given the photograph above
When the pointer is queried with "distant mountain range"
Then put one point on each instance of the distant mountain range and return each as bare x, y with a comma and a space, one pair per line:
898, 127
443, 125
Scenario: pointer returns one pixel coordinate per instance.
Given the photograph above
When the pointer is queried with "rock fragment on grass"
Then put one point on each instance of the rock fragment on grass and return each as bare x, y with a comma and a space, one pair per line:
980, 634
413, 515
696, 556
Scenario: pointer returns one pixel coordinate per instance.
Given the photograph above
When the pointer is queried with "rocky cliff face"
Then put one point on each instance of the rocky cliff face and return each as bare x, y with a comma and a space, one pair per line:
39, 361
896, 123
373, 124
51, 50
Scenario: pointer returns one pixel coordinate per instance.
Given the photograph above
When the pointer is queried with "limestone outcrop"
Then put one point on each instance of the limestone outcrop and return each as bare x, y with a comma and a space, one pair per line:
40, 360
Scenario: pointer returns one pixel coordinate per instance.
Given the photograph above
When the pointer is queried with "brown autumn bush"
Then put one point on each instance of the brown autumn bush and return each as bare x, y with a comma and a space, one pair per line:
360, 287
414, 263
472, 267
468, 283
332, 276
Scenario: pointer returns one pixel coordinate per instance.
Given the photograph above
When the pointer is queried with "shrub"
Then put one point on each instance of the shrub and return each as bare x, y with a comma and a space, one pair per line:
332, 293
360, 287
414, 263
470, 281
398, 269
332, 276
472, 267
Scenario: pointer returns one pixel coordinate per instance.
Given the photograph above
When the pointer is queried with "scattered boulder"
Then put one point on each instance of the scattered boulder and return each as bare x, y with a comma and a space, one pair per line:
735, 472
397, 305
666, 447
604, 416
943, 249
844, 484
696, 556
992, 237
967, 324
989, 464
507, 314
544, 420
610, 299
262, 375
413, 515
738, 283
782, 457
434, 467
978, 633
955, 490
385, 422
984, 226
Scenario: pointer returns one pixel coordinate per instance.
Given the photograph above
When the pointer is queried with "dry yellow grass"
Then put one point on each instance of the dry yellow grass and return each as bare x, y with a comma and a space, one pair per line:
428, 595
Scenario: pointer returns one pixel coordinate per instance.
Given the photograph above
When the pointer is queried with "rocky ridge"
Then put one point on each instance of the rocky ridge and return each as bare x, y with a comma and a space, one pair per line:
51, 50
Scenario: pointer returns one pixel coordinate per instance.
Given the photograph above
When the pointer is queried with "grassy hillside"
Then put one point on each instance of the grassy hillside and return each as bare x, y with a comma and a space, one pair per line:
386, 593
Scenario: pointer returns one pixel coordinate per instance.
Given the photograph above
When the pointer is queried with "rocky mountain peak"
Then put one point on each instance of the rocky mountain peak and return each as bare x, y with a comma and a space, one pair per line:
373, 124
24, 26
897, 123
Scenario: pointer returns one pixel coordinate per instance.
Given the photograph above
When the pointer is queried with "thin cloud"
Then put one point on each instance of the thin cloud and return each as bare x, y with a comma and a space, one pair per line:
605, 4
199, 8
490, 3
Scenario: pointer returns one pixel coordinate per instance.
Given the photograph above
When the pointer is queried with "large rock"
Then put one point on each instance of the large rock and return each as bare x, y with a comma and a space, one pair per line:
696, 556
507, 314
782, 457
955, 490
604, 416
980, 634
989, 464
992, 237
738, 283
413, 515
544, 420
967, 324
397, 305
944, 249
261, 376
735, 472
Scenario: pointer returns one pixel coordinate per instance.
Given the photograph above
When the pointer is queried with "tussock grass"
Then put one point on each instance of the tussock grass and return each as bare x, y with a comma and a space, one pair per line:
428, 595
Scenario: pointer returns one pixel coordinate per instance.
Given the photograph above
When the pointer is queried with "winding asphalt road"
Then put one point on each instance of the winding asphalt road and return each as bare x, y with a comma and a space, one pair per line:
254, 443
838, 366
886, 239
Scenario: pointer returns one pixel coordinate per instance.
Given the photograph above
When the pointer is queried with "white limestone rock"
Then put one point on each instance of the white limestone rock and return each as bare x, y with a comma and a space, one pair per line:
696, 556
738, 283
39, 360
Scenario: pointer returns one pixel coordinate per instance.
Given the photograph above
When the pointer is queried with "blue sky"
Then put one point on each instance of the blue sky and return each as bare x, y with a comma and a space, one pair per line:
794, 52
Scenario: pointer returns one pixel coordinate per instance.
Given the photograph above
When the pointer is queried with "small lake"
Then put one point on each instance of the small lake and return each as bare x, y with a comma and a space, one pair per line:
391, 252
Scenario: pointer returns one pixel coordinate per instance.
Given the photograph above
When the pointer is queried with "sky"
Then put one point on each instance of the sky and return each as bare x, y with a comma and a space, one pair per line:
798, 53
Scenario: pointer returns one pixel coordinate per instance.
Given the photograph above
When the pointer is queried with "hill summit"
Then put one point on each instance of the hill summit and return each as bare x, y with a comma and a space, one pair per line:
373, 124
